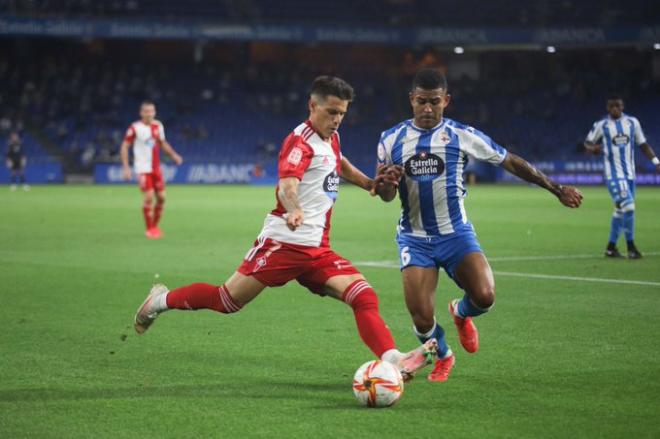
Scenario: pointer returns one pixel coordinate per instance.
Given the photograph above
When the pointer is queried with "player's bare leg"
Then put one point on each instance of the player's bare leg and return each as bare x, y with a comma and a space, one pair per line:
147, 212
476, 277
419, 286
355, 291
228, 298
158, 212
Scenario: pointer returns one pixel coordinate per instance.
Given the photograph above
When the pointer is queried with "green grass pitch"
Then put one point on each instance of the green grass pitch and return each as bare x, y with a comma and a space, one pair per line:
559, 357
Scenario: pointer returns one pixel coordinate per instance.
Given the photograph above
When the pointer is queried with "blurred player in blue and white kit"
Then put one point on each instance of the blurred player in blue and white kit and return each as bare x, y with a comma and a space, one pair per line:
616, 135
429, 153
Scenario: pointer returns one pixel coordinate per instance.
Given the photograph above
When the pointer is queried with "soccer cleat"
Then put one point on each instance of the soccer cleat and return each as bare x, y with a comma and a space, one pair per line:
12, 188
153, 233
442, 369
147, 312
633, 253
467, 331
417, 359
26, 188
613, 253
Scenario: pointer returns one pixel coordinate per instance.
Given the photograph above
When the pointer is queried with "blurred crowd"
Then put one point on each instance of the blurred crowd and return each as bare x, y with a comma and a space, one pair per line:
385, 12
80, 99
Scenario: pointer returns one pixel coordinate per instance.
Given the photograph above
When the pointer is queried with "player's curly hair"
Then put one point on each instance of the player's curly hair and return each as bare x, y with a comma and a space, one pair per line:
429, 79
325, 86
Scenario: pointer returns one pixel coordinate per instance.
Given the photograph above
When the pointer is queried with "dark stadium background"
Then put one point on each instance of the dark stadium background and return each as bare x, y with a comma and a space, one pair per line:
230, 77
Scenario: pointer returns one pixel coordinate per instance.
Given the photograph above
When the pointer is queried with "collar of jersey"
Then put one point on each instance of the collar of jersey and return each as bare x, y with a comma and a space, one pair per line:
412, 125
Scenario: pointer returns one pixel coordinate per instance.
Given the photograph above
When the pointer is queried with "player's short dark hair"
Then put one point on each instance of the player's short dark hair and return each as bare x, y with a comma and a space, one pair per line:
147, 102
325, 86
615, 96
429, 79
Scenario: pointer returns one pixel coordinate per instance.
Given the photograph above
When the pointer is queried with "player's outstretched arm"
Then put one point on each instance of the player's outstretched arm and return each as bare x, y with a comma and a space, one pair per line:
516, 165
354, 175
123, 152
593, 148
287, 193
171, 152
650, 154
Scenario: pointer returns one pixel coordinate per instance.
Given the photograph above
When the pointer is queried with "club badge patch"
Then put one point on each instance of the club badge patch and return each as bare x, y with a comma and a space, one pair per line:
295, 156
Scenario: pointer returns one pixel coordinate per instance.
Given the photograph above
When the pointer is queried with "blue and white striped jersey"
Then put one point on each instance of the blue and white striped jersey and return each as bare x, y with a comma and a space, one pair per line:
431, 190
619, 137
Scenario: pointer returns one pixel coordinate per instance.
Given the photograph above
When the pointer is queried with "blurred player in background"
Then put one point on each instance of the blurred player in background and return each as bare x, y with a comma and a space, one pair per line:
616, 136
430, 153
16, 160
147, 137
294, 242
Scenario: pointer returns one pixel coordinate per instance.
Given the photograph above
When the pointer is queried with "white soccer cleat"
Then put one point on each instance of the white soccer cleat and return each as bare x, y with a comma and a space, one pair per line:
12, 188
148, 311
26, 188
417, 359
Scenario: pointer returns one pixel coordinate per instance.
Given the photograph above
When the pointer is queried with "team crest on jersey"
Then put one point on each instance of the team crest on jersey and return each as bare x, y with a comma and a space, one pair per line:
621, 140
424, 166
382, 154
331, 185
444, 138
295, 156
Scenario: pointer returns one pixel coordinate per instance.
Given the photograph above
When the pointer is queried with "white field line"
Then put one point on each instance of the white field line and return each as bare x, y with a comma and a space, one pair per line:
392, 264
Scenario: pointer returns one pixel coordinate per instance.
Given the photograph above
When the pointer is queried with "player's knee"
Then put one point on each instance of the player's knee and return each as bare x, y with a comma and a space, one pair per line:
160, 198
148, 198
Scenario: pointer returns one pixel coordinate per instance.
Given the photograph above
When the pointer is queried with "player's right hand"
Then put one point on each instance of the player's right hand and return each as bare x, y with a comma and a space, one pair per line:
570, 196
295, 219
127, 174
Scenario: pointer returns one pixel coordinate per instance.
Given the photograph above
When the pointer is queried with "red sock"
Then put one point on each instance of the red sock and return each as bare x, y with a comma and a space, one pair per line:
146, 211
202, 296
373, 331
158, 211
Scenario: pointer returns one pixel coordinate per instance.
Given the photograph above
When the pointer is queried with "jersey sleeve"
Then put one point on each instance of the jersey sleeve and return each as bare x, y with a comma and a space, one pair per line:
596, 133
295, 157
161, 131
479, 146
383, 153
640, 138
130, 135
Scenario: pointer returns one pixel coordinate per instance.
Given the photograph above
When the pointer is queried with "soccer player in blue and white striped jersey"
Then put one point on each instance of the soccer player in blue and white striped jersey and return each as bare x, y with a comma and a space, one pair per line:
429, 153
616, 135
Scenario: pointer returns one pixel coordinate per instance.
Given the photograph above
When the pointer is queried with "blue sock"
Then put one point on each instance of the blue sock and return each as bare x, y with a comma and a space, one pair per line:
615, 227
439, 334
629, 225
466, 308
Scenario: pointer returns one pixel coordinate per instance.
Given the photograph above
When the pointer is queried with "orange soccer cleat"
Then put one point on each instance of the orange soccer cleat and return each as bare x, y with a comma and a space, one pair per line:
442, 369
467, 331
154, 233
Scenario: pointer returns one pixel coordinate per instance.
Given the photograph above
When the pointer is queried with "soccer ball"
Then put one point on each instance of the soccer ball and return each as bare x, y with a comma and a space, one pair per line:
378, 384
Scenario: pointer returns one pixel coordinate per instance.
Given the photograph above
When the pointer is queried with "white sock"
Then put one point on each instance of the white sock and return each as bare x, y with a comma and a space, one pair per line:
392, 356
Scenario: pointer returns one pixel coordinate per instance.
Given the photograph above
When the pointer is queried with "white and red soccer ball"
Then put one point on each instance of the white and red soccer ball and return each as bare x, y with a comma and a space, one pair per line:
378, 384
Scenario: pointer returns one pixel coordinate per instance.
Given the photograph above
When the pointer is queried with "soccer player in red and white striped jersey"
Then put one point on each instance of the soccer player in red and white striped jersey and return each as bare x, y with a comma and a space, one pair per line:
147, 137
294, 242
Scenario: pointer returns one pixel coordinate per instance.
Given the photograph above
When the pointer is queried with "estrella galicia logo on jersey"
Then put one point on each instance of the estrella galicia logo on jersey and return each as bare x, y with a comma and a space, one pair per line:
331, 185
424, 166
621, 140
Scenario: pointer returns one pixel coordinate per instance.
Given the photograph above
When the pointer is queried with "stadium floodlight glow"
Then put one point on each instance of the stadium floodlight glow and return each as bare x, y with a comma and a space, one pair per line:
550, 49
656, 46
459, 50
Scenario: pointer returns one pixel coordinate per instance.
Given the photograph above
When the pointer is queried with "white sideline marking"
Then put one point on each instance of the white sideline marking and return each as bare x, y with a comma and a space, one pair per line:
577, 278
392, 264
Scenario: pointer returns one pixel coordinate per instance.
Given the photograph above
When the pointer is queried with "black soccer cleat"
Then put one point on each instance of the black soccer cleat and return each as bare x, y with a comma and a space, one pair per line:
613, 253
633, 253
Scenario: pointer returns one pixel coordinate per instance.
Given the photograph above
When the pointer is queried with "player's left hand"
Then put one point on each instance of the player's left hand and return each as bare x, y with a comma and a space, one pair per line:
177, 159
570, 196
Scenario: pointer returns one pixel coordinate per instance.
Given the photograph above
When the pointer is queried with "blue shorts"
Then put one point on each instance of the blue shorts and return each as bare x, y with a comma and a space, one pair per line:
622, 191
438, 251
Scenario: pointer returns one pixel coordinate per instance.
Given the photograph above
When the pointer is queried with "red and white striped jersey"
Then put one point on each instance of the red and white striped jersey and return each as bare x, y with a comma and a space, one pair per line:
317, 164
146, 140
